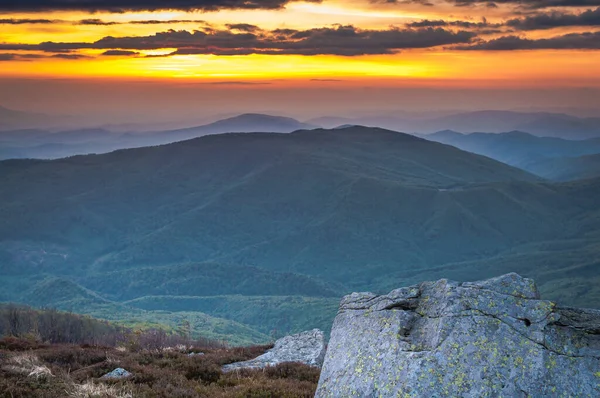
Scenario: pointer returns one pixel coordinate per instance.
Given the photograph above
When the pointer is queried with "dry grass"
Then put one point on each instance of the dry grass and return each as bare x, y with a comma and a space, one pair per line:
77, 371
90, 389
29, 365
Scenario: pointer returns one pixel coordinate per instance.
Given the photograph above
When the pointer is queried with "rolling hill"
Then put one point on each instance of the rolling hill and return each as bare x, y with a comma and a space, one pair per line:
283, 222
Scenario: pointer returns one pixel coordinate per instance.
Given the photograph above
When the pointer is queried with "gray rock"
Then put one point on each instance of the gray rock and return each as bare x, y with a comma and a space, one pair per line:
118, 373
195, 354
447, 339
306, 347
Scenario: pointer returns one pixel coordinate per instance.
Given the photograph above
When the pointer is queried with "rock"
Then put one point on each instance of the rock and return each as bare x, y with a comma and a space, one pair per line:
306, 347
447, 339
195, 354
118, 373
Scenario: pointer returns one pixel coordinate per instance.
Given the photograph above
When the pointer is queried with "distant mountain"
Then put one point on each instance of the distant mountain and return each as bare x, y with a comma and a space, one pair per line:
538, 155
12, 119
568, 168
541, 124
42, 144
269, 218
246, 123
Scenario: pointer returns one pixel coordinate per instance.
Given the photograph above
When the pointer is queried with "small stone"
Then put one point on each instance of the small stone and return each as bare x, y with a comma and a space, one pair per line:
118, 373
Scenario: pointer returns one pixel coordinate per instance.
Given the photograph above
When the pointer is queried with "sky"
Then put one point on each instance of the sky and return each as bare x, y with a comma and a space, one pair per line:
187, 58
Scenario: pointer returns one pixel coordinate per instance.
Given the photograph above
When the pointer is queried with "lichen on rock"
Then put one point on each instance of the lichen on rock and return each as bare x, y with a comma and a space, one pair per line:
473, 339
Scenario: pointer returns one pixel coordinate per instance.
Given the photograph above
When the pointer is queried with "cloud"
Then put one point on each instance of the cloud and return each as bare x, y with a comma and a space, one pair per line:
96, 22
243, 27
556, 19
164, 22
101, 22
120, 53
69, 56
530, 4
120, 6
571, 41
237, 83
338, 40
461, 24
19, 57
12, 21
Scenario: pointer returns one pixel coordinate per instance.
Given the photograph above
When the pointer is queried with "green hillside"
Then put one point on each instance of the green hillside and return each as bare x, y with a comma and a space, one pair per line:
263, 232
282, 314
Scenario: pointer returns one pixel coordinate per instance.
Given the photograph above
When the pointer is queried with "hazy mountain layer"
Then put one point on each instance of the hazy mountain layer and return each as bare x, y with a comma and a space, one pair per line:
311, 214
551, 158
568, 168
43, 144
543, 124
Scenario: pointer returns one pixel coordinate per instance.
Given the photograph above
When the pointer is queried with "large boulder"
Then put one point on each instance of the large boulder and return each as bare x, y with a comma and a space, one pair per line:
447, 339
306, 347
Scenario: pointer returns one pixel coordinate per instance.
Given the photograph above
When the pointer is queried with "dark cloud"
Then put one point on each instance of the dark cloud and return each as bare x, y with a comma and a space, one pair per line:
556, 19
237, 83
120, 53
531, 4
139, 5
12, 21
96, 22
8, 57
571, 41
243, 27
69, 56
338, 40
461, 24
20, 57
142, 22
165, 22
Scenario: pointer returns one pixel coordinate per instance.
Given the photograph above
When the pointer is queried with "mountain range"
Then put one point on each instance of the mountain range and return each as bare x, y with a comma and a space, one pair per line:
40, 141
548, 157
543, 124
43, 144
250, 234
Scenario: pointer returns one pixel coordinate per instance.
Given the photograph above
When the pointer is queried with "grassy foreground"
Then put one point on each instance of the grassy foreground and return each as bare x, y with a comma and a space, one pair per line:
29, 369
54, 354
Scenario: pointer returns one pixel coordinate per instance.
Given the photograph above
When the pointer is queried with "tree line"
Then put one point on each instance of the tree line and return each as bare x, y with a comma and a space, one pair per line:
59, 327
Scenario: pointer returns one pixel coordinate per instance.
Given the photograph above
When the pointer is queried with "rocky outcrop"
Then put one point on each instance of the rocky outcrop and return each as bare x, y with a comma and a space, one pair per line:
306, 347
447, 339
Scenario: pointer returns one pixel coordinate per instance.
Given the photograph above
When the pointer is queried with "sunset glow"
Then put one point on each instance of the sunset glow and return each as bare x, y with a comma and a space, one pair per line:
427, 53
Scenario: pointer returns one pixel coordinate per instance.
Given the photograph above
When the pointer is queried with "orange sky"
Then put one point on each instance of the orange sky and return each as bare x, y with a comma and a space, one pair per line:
576, 67
305, 59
